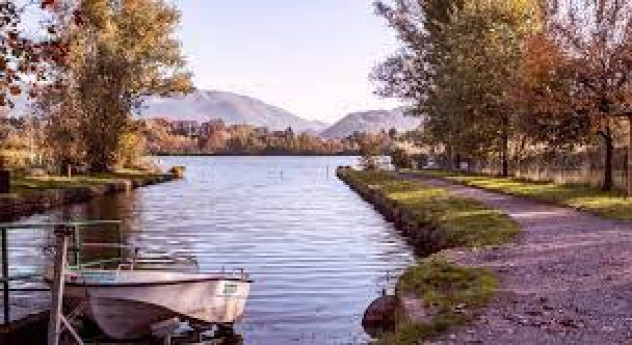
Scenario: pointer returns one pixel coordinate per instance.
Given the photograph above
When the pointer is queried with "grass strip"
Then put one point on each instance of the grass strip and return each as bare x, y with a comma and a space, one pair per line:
21, 185
463, 222
451, 292
612, 205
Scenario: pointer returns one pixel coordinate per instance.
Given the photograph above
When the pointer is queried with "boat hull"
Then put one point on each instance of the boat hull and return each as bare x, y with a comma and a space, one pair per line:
127, 311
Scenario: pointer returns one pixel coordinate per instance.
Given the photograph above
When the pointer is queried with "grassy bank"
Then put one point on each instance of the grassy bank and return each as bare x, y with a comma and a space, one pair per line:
36, 194
29, 184
462, 222
613, 205
450, 294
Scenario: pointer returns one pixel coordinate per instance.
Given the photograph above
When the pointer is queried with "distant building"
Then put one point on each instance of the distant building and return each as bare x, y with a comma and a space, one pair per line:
187, 128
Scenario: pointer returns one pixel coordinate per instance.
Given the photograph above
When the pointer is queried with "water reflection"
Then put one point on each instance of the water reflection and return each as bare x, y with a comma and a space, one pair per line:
318, 254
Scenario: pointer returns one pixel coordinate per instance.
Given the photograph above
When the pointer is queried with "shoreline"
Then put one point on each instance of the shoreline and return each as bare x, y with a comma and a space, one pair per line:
426, 240
436, 223
242, 154
16, 206
560, 283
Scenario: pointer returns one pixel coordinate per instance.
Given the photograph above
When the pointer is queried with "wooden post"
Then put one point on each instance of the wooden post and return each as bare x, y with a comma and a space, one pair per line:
57, 289
630, 157
5, 276
5, 178
5, 181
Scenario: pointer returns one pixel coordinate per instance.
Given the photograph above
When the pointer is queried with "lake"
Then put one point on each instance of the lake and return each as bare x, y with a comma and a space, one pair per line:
317, 252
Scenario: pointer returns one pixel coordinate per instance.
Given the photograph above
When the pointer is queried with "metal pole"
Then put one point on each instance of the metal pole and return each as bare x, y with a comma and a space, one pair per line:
5, 276
57, 289
76, 232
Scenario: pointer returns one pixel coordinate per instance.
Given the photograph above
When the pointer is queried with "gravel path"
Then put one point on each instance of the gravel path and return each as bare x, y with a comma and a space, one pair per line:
567, 280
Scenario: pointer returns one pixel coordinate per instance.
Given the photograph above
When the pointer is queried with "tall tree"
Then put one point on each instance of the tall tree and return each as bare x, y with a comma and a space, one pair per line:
481, 32
411, 72
444, 68
121, 52
596, 36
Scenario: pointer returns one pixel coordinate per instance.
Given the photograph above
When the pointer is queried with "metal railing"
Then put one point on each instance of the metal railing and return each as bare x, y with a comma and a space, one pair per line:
72, 228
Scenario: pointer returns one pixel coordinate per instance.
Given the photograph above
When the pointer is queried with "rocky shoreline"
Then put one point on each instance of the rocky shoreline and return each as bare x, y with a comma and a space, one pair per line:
13, 208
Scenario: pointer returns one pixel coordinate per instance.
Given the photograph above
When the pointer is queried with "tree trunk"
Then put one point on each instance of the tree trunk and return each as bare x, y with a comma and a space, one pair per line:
5, 181
99, 165
607, 173
505, 148
450, 158
629, 170
505, 157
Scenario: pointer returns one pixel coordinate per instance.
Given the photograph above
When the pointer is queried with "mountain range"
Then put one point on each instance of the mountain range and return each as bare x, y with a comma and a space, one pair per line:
204, 105
372, 121
233, 109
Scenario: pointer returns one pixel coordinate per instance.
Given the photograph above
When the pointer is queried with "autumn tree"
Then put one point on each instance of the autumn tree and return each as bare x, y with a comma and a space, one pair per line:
543, 98
596, 37
27, 56
121, 52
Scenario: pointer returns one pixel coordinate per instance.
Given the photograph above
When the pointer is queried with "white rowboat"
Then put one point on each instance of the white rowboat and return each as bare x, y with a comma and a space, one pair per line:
125, 303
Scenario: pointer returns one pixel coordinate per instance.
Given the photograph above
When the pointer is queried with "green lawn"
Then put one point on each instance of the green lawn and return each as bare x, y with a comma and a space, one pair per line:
451, 292
462, 221
29, 184
612, 205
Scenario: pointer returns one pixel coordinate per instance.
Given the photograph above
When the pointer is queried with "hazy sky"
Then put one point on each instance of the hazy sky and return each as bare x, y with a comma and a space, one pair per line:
311, 57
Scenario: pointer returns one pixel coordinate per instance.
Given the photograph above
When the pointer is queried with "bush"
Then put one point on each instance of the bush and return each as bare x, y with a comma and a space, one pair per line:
401, 159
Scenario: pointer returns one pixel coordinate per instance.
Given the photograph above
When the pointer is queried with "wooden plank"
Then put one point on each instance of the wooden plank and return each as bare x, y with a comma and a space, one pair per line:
5, 276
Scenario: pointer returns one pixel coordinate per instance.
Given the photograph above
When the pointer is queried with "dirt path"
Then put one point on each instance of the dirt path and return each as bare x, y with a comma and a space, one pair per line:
567, 280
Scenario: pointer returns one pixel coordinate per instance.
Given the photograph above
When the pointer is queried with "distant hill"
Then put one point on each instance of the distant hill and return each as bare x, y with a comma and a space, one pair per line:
232, 108
372, 121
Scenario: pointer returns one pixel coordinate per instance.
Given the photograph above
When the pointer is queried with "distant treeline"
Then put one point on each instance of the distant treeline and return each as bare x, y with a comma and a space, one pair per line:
216, 138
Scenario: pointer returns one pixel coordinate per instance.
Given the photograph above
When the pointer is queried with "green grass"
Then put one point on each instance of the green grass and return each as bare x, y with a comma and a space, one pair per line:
451, 292
29, 184
462, 221
613, 205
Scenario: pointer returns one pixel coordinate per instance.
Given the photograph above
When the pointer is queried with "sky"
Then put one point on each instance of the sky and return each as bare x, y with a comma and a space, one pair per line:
310, 57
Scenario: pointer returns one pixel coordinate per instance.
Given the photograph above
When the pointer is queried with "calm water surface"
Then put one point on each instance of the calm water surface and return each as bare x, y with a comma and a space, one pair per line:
318, 254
